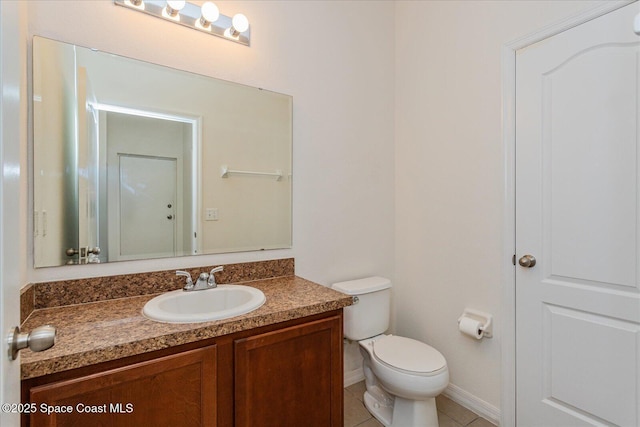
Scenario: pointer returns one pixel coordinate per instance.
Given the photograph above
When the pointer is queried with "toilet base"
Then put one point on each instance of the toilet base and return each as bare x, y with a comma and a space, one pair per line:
399, 412
379, 406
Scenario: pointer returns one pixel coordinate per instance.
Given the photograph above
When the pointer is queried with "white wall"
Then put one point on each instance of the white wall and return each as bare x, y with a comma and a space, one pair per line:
338, 68
449, 173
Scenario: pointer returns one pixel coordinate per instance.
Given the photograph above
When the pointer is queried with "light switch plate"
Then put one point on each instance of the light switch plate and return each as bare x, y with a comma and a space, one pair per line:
211, 214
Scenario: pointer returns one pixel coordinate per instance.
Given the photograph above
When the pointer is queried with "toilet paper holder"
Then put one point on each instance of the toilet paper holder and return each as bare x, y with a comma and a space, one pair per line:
485, 320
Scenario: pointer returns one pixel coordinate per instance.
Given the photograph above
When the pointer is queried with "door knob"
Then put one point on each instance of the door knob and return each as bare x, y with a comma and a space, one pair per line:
39, 339
169, 216
527, 261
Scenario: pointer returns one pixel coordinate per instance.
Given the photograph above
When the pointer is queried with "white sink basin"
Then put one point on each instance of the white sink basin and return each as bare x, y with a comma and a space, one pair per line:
218, 303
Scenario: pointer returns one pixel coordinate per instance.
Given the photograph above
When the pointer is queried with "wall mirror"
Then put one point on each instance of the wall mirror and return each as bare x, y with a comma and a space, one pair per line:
134, 160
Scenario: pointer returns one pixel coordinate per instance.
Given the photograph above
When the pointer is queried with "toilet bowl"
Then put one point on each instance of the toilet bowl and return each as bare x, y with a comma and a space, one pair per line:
402, 375
405, 377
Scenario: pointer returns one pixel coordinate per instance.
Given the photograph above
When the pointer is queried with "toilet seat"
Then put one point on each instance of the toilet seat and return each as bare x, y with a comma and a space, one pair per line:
409, 355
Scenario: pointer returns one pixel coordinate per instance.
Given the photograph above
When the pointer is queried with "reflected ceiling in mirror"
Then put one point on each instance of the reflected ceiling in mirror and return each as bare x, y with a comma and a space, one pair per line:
134, 160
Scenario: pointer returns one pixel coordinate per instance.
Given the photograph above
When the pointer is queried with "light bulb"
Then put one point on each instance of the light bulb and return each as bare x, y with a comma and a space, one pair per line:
174, 6
239, 23
210, 13
136, 4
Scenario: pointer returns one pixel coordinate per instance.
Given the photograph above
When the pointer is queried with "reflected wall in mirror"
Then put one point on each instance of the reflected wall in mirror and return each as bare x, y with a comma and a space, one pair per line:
134, 160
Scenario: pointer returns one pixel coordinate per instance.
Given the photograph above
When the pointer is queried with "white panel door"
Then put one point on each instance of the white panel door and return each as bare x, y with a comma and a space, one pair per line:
147, 206
11, 197
577, 199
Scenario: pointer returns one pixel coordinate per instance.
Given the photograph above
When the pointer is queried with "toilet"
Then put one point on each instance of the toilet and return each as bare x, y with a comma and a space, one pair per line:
403, 376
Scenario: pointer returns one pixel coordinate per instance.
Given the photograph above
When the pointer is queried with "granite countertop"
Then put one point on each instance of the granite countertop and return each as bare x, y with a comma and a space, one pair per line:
107, 330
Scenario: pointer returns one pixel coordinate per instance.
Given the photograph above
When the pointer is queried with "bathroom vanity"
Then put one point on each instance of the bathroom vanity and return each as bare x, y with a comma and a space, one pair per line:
278, 365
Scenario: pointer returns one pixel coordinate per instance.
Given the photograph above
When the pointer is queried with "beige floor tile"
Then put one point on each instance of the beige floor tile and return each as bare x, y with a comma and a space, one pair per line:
357, 390
446, 421
481, 422
458, 413
371, 422
354, 411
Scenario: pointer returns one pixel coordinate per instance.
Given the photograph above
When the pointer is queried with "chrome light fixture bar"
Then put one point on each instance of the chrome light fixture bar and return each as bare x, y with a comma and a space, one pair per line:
235, 29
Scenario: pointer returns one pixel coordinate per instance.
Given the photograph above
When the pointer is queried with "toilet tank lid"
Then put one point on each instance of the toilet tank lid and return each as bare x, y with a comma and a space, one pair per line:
362, 286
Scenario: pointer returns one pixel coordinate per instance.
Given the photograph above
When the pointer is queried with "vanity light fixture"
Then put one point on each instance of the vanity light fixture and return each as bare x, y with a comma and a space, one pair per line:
207, 18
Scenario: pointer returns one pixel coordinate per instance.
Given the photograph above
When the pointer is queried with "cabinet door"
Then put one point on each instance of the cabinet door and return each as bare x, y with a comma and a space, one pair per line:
291, 377
176, 390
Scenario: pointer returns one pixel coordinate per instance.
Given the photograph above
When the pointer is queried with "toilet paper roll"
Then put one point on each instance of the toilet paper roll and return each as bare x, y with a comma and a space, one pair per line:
471, 327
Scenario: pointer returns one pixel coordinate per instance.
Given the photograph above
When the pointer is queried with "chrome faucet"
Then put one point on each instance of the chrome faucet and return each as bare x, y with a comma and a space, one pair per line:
205, 280
212, 280
189, 285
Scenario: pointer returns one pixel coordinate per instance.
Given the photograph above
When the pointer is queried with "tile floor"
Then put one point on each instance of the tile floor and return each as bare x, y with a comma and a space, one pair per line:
450, 414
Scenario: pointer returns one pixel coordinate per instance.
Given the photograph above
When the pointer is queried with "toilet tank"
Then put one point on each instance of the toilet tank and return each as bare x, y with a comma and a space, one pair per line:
370, 315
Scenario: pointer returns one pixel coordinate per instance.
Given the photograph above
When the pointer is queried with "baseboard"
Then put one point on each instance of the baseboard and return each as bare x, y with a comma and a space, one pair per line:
353, 377
473, 403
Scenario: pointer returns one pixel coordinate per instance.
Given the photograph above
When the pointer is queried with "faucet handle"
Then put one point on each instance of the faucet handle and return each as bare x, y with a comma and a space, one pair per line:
189, 284
212, 279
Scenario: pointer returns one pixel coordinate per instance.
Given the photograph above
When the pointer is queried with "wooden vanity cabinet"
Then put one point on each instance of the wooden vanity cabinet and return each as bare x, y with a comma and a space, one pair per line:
287, 374
288, 377
173, 390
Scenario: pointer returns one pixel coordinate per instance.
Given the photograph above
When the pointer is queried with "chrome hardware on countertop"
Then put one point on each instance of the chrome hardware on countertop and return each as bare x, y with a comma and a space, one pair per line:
205, 280
212, 280
189, 284
83, 251
86, 255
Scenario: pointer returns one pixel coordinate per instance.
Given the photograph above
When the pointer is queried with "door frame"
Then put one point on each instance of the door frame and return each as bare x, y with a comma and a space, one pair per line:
508, 382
